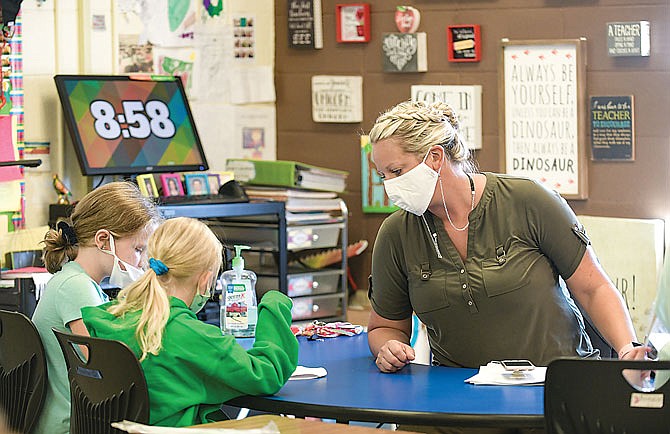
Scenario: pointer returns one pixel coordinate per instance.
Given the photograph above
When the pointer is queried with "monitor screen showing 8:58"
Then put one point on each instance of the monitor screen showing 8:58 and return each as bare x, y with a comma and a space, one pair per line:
124, 126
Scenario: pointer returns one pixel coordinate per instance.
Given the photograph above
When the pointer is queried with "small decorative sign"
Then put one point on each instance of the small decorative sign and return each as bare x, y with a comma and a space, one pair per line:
407, 19
612, 132
466, 101
404, 52
305, 28
337, 98
353, 22
373, 194
464, 43
628, 39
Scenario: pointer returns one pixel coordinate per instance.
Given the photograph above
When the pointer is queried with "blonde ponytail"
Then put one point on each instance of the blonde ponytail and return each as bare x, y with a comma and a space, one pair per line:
187, 247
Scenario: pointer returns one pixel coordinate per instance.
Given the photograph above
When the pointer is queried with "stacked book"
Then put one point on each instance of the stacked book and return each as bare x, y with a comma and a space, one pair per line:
301, 205
310, 192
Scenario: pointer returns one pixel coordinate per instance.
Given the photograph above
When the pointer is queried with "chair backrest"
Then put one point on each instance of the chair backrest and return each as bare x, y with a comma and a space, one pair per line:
106, 387
23, 371
592, 396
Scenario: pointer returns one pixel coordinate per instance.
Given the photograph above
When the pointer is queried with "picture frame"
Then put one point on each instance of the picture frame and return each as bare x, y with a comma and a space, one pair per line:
147, 185
464, 43
196, 184
352, 22
171, 183
542, 134
374, 196
214, 183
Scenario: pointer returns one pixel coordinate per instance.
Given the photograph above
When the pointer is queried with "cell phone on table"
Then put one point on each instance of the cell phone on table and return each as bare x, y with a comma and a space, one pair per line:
517, 365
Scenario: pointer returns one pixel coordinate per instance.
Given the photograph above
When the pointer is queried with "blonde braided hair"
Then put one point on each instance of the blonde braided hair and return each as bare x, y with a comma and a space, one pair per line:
420, 126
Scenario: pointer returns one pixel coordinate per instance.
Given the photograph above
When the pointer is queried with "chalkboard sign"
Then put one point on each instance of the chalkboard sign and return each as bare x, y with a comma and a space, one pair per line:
542, 123
304, 25
612, 132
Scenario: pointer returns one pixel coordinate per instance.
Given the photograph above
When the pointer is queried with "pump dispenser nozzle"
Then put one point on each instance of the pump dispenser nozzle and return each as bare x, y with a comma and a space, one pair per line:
238, 260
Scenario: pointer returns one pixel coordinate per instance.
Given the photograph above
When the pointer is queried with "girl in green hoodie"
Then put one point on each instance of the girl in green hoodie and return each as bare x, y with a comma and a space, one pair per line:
191, 368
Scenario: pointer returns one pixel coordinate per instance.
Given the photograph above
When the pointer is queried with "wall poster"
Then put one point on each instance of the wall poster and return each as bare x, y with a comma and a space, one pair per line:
612, 128
543, 128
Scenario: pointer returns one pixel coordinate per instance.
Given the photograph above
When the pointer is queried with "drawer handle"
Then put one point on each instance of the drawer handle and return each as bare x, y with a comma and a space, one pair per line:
315, 308
315, 237
315, 285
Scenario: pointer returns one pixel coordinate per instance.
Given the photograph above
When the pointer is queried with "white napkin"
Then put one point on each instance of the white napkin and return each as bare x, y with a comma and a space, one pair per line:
305, 373
494, 374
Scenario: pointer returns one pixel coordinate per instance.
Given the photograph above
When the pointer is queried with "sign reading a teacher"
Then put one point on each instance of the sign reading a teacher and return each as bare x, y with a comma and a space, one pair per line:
541, 92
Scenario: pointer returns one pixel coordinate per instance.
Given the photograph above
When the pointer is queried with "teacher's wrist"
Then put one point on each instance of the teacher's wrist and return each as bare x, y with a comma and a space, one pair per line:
628, 348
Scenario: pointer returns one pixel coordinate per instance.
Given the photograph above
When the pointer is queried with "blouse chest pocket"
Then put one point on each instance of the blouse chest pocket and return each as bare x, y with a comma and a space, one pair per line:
508, 271
428, 290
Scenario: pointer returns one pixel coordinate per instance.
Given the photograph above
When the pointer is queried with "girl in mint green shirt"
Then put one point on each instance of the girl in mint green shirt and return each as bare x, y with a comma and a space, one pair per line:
106, 236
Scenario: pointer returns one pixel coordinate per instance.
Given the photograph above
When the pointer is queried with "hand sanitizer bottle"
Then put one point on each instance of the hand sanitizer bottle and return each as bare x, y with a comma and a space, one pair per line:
239, 310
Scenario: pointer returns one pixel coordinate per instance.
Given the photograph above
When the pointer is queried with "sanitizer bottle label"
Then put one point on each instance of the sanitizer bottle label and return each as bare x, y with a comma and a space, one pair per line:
237, 306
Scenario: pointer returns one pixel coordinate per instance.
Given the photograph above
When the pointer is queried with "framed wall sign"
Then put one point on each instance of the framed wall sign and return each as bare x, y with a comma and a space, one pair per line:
612, 128
337, 98
353, 22
305, 24
464, 43
543, 120
466, 102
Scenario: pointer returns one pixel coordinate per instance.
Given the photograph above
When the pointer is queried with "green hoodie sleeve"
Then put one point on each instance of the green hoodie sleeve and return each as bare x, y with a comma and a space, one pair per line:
268, 365
226, 365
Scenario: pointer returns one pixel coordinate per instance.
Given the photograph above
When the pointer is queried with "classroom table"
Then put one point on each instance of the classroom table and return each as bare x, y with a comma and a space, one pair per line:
293, 425
355, 390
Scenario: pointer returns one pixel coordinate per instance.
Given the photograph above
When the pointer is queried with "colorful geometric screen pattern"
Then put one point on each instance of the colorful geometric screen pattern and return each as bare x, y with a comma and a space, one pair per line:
129, 124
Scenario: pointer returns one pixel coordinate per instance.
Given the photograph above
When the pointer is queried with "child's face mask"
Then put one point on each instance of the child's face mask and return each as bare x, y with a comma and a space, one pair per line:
119, 277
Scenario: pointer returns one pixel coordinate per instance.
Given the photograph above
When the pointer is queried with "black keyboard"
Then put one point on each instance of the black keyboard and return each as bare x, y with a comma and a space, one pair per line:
199, 200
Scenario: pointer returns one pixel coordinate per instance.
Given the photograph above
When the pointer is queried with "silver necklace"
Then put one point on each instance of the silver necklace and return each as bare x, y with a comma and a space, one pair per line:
472, 205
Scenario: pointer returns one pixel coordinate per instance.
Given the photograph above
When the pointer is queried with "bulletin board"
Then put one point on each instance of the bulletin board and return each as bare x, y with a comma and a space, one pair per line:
542, 89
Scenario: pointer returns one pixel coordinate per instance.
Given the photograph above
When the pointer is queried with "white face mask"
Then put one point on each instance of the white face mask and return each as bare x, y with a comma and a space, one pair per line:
121, 278
412, 191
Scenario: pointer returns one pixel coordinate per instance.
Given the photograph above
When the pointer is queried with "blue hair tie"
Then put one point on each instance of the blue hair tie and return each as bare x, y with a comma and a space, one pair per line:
158, 266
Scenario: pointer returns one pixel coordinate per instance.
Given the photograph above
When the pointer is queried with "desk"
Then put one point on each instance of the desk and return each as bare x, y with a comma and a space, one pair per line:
293, 426
354, 389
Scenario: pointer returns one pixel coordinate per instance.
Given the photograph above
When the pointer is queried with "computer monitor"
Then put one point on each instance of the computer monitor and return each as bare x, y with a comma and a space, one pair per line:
124, 125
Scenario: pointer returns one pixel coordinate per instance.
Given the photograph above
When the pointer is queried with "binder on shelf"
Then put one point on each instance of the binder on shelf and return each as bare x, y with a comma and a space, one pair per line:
283, 173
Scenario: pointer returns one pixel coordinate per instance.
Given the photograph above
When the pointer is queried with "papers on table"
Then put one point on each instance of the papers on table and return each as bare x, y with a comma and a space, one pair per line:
138, 428
305, 373
494, 374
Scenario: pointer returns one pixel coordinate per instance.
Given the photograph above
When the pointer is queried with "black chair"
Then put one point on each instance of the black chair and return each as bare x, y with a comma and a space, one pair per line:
592, 396
106, 387
23, 371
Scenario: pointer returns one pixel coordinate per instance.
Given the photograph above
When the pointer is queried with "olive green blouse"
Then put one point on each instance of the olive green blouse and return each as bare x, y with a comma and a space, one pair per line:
508, 299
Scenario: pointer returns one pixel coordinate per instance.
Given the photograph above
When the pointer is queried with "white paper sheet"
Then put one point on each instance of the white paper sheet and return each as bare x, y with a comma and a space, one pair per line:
134, 427
252, 85
494, 374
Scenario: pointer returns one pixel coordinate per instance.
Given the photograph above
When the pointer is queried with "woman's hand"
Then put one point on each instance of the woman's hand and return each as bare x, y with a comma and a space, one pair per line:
393, 356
